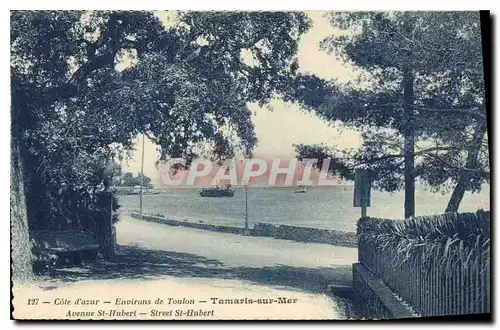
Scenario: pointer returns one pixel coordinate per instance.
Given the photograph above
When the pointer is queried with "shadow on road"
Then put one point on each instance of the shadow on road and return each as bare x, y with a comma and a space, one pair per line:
134, 262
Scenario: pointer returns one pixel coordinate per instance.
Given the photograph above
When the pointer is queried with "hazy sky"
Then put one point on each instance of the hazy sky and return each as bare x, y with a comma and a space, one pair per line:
286, 124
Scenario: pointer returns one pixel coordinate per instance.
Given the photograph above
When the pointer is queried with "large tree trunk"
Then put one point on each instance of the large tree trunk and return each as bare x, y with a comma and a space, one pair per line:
21, 254
409, 145
471, 163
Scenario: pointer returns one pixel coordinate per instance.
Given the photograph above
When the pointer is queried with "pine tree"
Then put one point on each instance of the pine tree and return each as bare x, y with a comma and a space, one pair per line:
422, 114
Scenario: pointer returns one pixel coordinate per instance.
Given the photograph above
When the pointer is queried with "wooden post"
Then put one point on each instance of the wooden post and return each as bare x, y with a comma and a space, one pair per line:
362, 186
142, 176
363, 211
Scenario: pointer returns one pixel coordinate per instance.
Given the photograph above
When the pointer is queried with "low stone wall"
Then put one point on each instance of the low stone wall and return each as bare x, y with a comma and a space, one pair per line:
306, 234
295, 233
205, 226
373, 299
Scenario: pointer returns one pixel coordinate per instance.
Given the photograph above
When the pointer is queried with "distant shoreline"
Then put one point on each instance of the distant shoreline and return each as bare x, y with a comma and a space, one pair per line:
252, 187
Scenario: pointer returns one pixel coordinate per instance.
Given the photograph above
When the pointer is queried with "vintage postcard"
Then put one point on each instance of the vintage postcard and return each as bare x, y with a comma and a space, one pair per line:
250, 165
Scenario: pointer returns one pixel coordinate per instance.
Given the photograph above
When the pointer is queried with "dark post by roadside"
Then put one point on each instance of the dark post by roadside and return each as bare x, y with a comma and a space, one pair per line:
362, 187
105, 224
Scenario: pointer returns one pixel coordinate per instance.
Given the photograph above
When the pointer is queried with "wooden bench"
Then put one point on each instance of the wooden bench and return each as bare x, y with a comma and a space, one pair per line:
71, 247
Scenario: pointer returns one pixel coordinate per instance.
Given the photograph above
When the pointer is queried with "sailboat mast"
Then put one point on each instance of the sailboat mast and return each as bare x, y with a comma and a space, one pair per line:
300, 167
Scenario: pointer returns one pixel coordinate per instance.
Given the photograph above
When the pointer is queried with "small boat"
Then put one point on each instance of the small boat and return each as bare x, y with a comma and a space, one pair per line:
301, 189
217, 192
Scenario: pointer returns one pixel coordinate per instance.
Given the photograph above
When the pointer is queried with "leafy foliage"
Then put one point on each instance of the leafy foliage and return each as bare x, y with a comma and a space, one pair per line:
76, 106
440, 53
129, 180
321, 152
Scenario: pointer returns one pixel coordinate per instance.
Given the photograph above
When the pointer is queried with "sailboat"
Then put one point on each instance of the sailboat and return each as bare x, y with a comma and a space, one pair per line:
301, 189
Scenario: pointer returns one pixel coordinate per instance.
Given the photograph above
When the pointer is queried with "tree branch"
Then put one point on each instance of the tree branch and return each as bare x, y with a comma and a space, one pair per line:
472, 113
95, 62
458, 167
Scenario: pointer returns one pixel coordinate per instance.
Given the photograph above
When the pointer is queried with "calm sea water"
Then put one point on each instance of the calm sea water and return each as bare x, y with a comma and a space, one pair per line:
319, 207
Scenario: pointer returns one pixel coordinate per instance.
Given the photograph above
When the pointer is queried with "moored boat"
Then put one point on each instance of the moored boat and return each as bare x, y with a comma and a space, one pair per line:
300, 188
217, 192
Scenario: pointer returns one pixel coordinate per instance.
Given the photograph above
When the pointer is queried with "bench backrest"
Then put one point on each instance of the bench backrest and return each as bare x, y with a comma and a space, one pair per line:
64, 239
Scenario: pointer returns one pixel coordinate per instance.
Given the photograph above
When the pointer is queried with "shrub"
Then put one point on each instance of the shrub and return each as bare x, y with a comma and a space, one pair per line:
445, 240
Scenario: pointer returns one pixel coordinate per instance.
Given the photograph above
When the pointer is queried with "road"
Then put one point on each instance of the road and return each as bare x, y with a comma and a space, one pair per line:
227, 276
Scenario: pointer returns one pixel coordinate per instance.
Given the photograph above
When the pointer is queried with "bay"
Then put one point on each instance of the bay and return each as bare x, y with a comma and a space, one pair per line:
320, 207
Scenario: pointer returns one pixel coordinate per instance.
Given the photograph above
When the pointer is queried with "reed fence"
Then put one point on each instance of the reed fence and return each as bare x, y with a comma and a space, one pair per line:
439, 265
